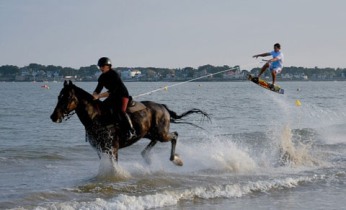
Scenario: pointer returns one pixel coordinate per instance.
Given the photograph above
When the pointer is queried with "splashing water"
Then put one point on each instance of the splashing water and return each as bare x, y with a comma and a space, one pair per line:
294, 154
111, 170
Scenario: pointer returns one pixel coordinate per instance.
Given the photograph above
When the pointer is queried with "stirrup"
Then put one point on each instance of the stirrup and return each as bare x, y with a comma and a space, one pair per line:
131, 134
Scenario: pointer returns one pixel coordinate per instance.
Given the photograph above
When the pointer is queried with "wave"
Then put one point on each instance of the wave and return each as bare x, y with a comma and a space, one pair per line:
173, 197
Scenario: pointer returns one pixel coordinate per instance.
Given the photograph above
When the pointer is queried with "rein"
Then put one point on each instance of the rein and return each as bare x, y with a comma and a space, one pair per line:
69, 115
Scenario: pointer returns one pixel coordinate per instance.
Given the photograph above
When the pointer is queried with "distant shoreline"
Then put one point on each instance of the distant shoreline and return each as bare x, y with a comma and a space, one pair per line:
177, 81
205, 73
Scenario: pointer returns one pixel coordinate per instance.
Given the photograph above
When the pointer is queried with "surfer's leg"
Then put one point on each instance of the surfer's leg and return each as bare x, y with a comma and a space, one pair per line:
264, 67
274, 76
274, 72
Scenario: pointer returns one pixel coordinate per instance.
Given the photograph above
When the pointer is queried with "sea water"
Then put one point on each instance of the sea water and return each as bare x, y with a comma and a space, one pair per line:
260, 151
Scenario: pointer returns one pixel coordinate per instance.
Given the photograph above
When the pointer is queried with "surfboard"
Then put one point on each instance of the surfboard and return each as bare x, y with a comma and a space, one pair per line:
265, 84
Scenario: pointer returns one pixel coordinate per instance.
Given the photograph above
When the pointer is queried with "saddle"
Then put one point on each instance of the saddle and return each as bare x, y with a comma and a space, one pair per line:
135, 106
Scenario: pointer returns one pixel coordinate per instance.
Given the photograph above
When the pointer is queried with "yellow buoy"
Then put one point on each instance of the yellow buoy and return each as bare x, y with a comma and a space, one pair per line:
166, 88
298, 103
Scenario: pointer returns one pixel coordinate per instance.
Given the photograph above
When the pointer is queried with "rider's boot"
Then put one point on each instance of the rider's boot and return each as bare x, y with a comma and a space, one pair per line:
127, 120
131, 131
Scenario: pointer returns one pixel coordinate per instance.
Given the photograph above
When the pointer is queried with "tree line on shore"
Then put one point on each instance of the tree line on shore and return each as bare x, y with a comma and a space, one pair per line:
90, 73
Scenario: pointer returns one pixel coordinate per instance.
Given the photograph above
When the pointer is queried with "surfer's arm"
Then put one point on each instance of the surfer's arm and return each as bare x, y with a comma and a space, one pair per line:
261, 55
272, 60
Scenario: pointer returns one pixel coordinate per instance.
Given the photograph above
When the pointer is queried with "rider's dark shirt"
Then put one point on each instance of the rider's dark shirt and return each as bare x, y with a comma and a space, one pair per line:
113, 83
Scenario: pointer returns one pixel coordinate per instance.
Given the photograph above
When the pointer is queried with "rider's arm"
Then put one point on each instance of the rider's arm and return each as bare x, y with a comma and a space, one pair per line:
101, 95
98, 88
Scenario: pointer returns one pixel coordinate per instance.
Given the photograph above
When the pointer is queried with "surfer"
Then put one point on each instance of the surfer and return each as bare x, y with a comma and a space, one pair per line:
275, 64
117, 96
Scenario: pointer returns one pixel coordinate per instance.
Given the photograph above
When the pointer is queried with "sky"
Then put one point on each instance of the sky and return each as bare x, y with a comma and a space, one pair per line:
172, 33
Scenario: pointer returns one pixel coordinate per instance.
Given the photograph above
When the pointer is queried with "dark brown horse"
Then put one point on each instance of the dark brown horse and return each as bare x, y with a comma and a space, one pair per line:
105, 134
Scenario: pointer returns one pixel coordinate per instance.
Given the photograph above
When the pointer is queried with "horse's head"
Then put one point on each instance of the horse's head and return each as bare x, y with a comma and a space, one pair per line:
67, 102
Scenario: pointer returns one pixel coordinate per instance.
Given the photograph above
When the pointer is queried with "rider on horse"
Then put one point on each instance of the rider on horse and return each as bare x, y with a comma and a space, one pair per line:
117, 96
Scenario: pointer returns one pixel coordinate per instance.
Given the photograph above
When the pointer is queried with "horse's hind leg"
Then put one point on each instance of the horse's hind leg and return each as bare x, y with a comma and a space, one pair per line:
146, 151
174, 157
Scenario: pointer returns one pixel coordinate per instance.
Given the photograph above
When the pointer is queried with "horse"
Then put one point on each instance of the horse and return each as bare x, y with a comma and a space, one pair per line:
104, 131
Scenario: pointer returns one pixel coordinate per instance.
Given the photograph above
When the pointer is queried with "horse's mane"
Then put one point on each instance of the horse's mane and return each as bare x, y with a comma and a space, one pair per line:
86, 95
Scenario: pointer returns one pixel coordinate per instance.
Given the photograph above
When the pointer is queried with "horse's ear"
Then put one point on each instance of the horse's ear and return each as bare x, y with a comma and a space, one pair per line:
65, 83
70, 83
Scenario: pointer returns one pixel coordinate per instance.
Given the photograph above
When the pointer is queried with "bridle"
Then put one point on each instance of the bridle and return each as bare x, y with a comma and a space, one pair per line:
67, 116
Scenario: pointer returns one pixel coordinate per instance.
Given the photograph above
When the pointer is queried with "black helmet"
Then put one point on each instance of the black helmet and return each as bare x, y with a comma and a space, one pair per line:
104, 61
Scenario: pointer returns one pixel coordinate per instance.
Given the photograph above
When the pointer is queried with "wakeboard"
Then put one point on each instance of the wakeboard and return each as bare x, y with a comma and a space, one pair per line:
266, 85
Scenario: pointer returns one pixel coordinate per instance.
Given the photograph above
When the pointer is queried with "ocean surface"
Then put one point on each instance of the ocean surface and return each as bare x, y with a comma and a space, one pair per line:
260, 151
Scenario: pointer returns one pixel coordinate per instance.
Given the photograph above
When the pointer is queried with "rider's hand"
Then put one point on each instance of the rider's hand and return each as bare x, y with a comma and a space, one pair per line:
96, 96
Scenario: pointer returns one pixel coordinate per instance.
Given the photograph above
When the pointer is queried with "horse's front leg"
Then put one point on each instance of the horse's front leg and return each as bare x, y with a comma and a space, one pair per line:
115, 149
145, 152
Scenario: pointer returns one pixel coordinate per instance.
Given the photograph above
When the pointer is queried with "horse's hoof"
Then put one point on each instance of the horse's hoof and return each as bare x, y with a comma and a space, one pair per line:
177, 161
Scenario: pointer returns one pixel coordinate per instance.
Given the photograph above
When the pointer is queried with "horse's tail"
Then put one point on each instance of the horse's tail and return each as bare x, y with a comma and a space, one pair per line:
175, 118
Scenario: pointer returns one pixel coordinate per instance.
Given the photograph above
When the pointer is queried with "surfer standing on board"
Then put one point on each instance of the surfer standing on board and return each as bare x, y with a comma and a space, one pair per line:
275, 64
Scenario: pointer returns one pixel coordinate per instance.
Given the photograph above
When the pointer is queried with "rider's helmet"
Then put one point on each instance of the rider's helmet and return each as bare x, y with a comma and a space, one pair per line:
104, 61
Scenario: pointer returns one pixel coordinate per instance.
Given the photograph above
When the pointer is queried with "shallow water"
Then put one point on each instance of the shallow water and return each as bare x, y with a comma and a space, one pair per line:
260, 151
